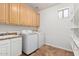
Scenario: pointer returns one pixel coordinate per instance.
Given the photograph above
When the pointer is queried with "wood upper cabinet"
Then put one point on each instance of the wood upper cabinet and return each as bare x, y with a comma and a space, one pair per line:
18, 14
36, 20
23, 14
28, 16
14, 13
4, 13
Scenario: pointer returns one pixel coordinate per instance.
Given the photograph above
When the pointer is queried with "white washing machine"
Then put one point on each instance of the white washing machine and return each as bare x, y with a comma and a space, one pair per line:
30, 42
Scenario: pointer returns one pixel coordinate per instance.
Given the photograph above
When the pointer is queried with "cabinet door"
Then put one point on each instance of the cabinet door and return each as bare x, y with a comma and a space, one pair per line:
38, 20
7, 13
30, 17
3, 12
23, 14
5, 48
14, 13
16, 46
35, 19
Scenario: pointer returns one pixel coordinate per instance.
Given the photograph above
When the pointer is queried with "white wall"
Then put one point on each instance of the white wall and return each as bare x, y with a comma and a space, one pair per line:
4, 28
57, 31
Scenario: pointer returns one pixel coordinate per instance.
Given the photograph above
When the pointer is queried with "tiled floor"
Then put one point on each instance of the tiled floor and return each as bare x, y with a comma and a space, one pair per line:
50, 51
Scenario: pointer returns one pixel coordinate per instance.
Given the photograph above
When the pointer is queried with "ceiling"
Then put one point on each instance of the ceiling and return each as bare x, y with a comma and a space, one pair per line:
41, 6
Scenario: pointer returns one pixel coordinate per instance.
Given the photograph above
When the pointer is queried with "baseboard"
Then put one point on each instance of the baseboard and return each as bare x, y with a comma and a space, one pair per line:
58, 47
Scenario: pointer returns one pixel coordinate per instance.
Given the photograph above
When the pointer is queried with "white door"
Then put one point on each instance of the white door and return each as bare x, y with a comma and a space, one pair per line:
16, 46
5, 47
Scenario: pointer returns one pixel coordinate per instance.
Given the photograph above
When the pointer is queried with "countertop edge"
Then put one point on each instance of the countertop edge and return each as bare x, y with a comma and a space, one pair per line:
11, 37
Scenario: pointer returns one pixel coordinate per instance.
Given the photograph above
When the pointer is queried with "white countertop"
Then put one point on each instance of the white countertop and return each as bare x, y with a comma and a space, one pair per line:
8, 36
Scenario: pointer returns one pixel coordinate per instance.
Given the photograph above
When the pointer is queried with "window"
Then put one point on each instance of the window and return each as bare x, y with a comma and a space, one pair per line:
64, 13
60, 14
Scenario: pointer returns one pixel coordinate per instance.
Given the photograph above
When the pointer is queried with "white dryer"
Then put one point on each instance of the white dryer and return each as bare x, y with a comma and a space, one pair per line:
30, 41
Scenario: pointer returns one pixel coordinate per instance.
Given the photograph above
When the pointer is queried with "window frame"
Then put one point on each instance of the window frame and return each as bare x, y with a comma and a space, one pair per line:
62, 10
68, 12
